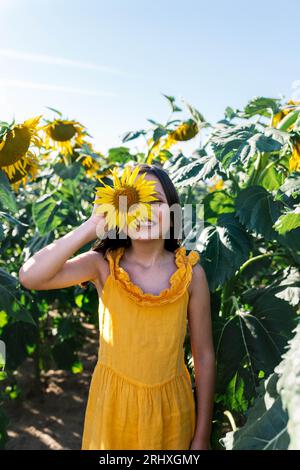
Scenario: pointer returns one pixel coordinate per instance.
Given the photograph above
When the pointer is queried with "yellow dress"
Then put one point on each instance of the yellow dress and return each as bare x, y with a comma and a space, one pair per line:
140, 394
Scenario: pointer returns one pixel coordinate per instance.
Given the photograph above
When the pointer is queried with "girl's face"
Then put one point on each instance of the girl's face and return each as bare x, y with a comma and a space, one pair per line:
160, 218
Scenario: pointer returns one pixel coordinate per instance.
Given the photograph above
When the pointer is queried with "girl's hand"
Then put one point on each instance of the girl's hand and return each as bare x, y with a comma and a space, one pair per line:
98, 222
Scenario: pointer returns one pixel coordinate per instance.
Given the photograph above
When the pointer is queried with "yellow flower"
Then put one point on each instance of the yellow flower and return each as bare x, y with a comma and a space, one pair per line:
15, 144
133, 206
218, 185
294, 161
90, 165
187, 130
156, 151
31, 166
61, 135
283, 112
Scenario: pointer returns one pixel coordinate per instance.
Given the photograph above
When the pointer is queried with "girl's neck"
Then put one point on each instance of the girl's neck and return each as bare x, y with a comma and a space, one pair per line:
146, 253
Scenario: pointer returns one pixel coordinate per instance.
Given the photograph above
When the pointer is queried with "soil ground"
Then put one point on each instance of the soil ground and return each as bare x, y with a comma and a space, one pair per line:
55, 419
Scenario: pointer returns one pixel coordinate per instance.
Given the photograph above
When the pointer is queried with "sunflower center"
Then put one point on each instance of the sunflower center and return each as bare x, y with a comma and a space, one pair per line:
132, 197
62, 131
16, 145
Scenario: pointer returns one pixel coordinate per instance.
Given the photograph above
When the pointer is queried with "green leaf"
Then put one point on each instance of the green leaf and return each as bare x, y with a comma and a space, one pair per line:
158, 133
172, 103
289, 387
119, 154
9, 301
7, 198
187, 172
258, 211
132, 135
224, 248
288, 221
284, 284
266, 426
54, 110
8, 285
291, 185
254, 338
262, 106
237, 144
13, 220
68, 172
38, 242
273, 421
45, 213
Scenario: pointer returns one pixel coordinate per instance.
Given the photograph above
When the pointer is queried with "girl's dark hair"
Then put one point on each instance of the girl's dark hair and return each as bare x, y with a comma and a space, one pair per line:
172, 242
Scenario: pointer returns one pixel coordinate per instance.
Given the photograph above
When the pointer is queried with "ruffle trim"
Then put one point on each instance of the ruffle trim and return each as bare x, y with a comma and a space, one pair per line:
178, 281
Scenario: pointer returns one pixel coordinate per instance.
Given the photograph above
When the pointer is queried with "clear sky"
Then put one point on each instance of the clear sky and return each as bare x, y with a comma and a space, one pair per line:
107, 63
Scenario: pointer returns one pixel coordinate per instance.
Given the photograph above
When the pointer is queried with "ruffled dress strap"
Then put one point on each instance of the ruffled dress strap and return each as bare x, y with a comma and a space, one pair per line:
178, 281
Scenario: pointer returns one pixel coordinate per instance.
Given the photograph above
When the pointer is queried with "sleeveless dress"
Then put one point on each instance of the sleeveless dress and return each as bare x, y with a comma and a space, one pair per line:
140, 394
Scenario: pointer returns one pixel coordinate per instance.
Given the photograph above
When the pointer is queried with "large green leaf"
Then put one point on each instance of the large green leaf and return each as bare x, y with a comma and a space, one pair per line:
283, 284
45, 212
266, 426
237, 144
273, 423
254, 337
217, 203
257, 209
262, 106
185, 171
224, 248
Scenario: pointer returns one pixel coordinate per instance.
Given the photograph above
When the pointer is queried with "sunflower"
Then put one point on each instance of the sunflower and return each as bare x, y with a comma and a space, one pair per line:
294, 161
283, 112
61, 134
187, 130
137, 192
15, 142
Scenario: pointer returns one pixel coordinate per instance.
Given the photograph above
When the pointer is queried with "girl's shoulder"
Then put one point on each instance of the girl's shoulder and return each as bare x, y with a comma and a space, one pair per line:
199, 278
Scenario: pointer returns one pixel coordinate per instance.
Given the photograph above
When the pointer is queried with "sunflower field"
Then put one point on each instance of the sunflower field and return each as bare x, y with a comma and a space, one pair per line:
244, 171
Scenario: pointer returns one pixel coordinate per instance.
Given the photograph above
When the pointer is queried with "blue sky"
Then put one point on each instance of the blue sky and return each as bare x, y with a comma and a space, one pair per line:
107, 63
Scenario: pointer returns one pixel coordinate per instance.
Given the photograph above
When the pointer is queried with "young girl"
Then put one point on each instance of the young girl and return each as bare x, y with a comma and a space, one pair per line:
140, 393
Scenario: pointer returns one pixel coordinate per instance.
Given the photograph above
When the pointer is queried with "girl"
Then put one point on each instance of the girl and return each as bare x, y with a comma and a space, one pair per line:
140, 393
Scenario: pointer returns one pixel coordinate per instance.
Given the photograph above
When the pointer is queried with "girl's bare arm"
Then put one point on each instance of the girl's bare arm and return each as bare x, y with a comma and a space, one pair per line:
52, 268
202, 348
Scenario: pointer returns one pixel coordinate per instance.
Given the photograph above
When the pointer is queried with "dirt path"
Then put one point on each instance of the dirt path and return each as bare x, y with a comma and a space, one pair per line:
54, 421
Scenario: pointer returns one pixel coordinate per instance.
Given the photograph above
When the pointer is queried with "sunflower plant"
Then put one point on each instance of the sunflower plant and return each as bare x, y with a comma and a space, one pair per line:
138, 193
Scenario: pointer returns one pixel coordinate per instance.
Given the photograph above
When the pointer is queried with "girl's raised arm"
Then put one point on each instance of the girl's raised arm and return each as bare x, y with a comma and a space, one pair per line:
51, 268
